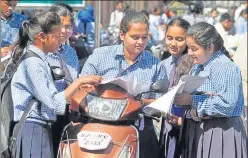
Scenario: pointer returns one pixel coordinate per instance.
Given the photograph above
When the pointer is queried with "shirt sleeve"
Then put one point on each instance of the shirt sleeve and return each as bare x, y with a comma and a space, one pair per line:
228, 94
91, 65
39, 86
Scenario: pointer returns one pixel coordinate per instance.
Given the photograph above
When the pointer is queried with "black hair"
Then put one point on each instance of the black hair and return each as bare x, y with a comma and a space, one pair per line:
215, 9
145, 12
244, 11
131, 18
42, 22
119, 2
155, 9
180, 23
62, 10
225, 17
65, 6
205, 34
197, 8
234, 7
185, 65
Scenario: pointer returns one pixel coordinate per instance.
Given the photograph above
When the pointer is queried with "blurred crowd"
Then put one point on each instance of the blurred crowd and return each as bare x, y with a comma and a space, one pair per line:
231, 25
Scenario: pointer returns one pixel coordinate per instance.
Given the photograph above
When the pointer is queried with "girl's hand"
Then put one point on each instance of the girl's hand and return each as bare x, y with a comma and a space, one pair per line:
174, 120
183, 99
90, 79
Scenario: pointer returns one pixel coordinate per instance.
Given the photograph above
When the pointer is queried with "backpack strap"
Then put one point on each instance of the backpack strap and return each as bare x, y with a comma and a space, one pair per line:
23, 118
28, 54
17, 127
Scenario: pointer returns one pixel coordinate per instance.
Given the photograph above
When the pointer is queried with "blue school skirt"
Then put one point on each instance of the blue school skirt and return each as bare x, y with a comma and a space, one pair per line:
34, 140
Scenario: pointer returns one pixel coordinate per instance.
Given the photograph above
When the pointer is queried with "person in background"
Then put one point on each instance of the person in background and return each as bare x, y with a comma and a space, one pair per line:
29, 13
165, 15
74, 13
65, 58
155, 17
172, 15
241, 23
178, 64
232, 13
85, 27
243, 6
117, 15
156, 21
196, 9
127, 59
212, 19
10, 23
212, 127
223, 26
34, 79
153, 33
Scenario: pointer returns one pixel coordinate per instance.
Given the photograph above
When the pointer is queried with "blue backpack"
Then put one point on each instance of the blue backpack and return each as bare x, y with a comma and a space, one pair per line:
8, 128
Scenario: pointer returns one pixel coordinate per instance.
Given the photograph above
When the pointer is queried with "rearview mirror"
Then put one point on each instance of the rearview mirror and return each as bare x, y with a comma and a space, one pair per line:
161, 86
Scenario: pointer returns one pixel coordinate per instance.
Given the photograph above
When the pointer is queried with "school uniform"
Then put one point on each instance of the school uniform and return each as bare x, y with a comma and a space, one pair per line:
110, 62
223, 133
65, 58
169, 135
10, 29
33, 79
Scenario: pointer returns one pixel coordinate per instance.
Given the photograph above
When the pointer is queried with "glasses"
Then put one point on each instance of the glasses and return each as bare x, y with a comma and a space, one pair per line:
67, 28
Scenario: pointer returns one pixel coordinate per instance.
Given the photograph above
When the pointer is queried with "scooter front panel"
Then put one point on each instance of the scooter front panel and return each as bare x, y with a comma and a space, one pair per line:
124, 143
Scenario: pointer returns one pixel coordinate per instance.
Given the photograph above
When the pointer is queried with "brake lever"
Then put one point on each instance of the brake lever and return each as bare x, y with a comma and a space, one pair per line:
139, 96
151, 117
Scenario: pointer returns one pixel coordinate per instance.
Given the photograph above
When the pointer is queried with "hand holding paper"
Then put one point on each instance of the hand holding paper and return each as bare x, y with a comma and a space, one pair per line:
164, 103
183, 99
186, 84
192, 82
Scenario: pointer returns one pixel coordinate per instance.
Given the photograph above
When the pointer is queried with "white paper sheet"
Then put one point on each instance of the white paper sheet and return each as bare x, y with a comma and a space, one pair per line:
130, 84
163, 104
192, 82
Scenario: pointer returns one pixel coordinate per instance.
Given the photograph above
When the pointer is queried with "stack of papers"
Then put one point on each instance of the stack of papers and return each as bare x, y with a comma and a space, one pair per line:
163, 104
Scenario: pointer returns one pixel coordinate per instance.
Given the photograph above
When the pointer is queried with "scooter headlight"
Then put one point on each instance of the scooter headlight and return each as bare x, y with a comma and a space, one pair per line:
105, 108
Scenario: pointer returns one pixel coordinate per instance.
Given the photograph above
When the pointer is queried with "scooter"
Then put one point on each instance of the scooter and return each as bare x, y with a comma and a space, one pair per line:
105, 123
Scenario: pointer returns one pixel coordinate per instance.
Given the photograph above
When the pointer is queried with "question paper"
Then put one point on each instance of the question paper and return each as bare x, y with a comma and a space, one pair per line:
187, 83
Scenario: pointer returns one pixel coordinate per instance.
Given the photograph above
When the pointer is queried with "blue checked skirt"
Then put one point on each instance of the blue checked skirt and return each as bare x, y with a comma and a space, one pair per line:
34, 141
214, 138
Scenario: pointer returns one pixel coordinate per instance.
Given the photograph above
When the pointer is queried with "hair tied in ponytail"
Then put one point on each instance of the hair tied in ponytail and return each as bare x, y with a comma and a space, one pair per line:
26, 23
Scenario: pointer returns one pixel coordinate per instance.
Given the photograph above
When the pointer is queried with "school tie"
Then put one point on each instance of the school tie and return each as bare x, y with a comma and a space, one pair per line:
197, 70
172, 74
